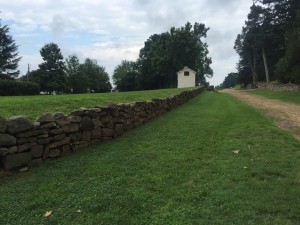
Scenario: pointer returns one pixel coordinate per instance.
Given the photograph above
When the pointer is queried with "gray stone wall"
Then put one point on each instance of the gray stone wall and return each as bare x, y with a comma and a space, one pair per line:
24, 143
279, 87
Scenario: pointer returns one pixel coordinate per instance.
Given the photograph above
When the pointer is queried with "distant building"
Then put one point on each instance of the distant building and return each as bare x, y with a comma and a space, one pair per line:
186, 78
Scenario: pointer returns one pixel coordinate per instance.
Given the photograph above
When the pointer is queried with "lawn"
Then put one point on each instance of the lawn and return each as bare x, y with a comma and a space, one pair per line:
213, 160
33, 106
286, 96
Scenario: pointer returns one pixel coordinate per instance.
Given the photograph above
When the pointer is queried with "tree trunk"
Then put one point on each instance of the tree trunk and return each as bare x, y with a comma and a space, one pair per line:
266, 65
253, 68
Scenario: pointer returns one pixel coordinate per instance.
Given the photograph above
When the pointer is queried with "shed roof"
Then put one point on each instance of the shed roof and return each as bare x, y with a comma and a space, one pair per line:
185, 69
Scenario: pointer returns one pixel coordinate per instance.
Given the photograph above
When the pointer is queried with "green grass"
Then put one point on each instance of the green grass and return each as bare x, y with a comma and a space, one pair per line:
177, 169
33, 106
287, 96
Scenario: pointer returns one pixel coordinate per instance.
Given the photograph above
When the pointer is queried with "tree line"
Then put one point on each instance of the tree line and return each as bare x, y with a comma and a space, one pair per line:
269, 44
162, 56
159, 60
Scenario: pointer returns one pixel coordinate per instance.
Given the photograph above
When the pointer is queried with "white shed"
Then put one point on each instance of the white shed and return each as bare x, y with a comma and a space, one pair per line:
186, 78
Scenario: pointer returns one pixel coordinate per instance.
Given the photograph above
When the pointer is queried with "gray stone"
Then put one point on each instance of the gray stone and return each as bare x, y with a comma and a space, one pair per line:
12, 150
63, 121
96, 123
3, 151
107, 132
86, 136
86, 124
106, 119
70, 128
56, 131
7, 140
65, 141
54, 153
76, 136
96, 134
119, 129
59, 137
48, 125
45, 118
3, 125
75, 119
16, 160
19, 124
24, 147
44, 141
37, 151
26, 140
58, 115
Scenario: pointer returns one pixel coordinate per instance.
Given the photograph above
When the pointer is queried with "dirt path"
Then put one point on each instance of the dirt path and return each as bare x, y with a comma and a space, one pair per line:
285, 115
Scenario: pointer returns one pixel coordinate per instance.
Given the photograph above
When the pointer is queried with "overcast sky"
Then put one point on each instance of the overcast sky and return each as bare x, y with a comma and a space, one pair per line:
111, 31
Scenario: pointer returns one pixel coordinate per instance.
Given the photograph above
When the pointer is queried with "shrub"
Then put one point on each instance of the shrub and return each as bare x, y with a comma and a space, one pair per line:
11, 87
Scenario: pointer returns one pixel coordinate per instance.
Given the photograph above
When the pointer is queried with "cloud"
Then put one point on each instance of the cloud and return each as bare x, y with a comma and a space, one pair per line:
111, 31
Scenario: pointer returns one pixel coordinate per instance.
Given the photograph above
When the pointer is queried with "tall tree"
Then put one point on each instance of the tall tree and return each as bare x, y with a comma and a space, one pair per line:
9, 57
126, 76
78, 81
262, 41
98, 79
166, 53
52, 69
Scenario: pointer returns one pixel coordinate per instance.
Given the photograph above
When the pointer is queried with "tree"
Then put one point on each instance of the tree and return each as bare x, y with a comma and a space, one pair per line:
263, 39
126, 76
230, 81
166, 53
98, 79
53, 77
77, 80
9, 57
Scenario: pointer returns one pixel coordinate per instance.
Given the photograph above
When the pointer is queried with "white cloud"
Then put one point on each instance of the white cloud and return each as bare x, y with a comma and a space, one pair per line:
110, 31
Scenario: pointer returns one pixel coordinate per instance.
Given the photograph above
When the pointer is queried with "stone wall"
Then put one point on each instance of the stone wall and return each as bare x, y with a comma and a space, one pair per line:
24, 143
279, 87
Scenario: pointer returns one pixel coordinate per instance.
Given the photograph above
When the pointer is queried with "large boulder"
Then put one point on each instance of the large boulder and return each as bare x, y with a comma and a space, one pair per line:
7, 140
16, 160
45, 118
19, 124
3, 125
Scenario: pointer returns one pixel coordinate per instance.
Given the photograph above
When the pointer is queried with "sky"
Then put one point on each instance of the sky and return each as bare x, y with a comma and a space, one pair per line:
115, 30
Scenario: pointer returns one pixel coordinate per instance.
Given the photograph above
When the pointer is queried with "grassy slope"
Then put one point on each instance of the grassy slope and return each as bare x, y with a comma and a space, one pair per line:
33, 106
177, 169
287, 96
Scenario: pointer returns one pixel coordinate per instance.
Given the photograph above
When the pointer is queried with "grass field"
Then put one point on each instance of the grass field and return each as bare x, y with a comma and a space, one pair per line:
286, 96
178, 169
33, 106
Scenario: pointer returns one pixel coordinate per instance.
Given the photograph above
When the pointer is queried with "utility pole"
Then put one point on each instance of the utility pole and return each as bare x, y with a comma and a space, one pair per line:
28, 71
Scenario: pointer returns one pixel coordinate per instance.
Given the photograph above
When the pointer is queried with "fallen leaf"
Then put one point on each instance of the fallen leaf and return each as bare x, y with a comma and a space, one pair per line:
48, 213
236, 151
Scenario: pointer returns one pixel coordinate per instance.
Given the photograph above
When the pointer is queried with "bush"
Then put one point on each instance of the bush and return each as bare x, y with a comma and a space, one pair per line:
10, 87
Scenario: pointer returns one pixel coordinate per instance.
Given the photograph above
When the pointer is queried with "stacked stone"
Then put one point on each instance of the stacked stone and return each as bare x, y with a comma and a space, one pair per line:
23, 143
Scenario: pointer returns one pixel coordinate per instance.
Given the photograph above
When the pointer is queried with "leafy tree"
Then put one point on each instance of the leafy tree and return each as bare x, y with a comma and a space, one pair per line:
98, 79
77, 80
53, 77
166, 53
9, 57
262, 41
230, 81
126, 76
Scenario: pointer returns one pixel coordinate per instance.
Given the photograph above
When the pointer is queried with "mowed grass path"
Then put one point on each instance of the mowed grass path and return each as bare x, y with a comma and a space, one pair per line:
177, 169
34, 106
286, 96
